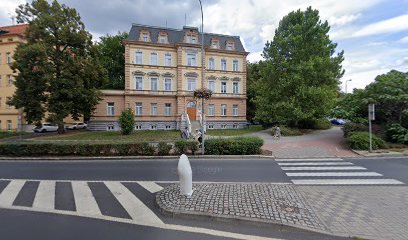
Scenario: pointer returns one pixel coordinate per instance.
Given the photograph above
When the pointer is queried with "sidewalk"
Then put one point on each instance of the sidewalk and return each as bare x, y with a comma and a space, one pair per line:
319, 143
373, 212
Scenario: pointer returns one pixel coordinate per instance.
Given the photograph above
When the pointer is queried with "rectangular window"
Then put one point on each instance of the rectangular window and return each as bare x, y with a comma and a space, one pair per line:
138, 127
153, 109
167, 84
230, 46
211, 85
110, 109
162, 38
167, 109
191, 84
153, 127
139, 109
234, 126
191, 59
223, 87
211, 110
224, 65
10, 80
7, 105
139, 58
211, 64
193, 39
235, 88
139, 82
145, 37
167, 60
235, 110
153, 83
153, 58
210, 126
8, 126
223, 109
8, 58
235, 65
168, 127
223, 126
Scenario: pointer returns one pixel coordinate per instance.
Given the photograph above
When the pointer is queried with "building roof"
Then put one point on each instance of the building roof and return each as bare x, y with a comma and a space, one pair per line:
18, 29
176, 36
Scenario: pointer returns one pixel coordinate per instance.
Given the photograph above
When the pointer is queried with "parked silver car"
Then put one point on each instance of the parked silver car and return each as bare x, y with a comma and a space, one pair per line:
77, 126
46, 127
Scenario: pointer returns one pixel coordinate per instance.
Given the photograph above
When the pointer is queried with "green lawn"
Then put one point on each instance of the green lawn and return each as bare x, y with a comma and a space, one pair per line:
234, 132
10, 134
138, 136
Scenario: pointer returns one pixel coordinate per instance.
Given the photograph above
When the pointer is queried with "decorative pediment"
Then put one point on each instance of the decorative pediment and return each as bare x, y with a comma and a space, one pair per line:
167, 74
236, 79
137, 72
153, 73
224, 78
211, 77
191, 74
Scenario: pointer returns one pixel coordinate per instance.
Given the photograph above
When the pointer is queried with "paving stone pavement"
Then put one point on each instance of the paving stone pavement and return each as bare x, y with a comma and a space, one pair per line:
271, 203
373, 212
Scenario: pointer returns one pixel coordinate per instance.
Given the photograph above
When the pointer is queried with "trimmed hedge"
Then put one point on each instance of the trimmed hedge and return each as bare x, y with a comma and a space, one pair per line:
287, 131
185, 147
233, 146
360, 141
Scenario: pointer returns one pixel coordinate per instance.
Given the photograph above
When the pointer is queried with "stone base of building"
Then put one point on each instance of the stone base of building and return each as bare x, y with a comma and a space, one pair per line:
226, 124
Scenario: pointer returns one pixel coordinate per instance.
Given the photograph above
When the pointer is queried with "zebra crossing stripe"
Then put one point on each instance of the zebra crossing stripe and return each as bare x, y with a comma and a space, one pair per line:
133, 206
307, 159
346, 182
333, 174
84, 200
315, 163
322, 168
45, 196
150, 186
9, 194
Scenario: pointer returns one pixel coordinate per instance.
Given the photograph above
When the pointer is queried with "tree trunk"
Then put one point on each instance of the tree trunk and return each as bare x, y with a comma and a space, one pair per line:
61, 129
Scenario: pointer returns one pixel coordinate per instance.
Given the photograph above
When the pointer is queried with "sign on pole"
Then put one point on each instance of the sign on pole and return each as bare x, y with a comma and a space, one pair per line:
371, 117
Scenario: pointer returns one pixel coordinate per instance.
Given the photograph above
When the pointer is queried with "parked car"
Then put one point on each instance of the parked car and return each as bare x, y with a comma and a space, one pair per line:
46, 127
77, 126
337, 121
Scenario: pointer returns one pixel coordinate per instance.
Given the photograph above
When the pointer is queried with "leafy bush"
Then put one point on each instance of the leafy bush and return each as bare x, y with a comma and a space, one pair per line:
286, 131
233, 146
127, 121
397, 134
350, 127
185, 147
163, 148
360, 141
322, 124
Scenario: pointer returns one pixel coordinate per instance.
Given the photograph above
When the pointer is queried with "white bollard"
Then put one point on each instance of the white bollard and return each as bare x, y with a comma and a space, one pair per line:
185, 176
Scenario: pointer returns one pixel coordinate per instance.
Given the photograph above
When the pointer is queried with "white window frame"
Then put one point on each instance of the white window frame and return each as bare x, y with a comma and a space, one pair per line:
156, 80
139, 57
162, 38
153, 58
210, 126
167, 60
145, 37
224, 88
191, 84
8, 58
211, 64
9, 124
235, 87
153, 109
139, 109
138, 82
211, 110
211, 85
223, 64
138, 127
235, 110
9, 80
110, 109
167, 84
167, 109
192, 59
223, 109
235, 65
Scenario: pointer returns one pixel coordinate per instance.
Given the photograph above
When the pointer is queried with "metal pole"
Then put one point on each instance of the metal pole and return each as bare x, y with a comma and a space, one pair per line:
370, 132
202, 77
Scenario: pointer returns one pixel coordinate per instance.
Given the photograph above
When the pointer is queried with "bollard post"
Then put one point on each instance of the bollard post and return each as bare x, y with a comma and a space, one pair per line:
185, 176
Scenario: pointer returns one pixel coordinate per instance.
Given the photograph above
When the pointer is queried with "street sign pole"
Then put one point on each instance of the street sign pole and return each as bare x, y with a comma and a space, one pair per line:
371, 116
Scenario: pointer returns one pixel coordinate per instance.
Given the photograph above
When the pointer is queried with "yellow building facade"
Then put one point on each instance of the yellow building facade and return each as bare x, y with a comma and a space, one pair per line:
163, 68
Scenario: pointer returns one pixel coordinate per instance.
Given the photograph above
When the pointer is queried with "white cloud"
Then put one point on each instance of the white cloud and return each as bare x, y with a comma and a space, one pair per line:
343, 20
255, 57
404, 39
7, 10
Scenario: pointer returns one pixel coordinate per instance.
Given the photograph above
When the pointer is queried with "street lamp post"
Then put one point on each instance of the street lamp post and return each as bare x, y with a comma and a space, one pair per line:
202, 78
346, 84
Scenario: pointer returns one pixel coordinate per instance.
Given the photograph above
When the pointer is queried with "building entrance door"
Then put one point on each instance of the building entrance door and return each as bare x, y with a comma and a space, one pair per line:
191, 111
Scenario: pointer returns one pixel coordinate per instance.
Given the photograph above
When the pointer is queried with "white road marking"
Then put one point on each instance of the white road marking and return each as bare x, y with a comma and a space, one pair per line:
322, 168
333, 174
45, 196
9, 194
307, 159
136, 208
84, 200
314, 163
346, 182
150, 186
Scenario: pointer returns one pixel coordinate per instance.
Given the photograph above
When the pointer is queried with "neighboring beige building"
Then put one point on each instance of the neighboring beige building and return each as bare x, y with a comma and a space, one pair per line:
10, 36
163, 68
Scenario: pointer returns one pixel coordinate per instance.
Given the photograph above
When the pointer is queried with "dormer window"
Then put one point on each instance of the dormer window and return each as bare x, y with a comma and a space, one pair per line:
191, 37
215, 43
230, 45
144, 36
163, 38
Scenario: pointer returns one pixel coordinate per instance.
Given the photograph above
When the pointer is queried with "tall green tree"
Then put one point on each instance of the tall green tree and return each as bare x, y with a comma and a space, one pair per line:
58, 71
301, 72
253, 75
112, 55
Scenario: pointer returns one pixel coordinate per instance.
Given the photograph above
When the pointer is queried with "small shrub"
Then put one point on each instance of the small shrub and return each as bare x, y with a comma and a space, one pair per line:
322, 124
397, 134
185, 147
360, 141
350, 127
233, 146
127, 121
163, 148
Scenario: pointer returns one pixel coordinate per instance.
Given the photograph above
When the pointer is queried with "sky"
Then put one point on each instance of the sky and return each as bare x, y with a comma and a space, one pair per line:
372, 33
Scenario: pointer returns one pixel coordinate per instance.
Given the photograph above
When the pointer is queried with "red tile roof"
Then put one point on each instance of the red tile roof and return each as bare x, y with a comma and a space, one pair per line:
18, 29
